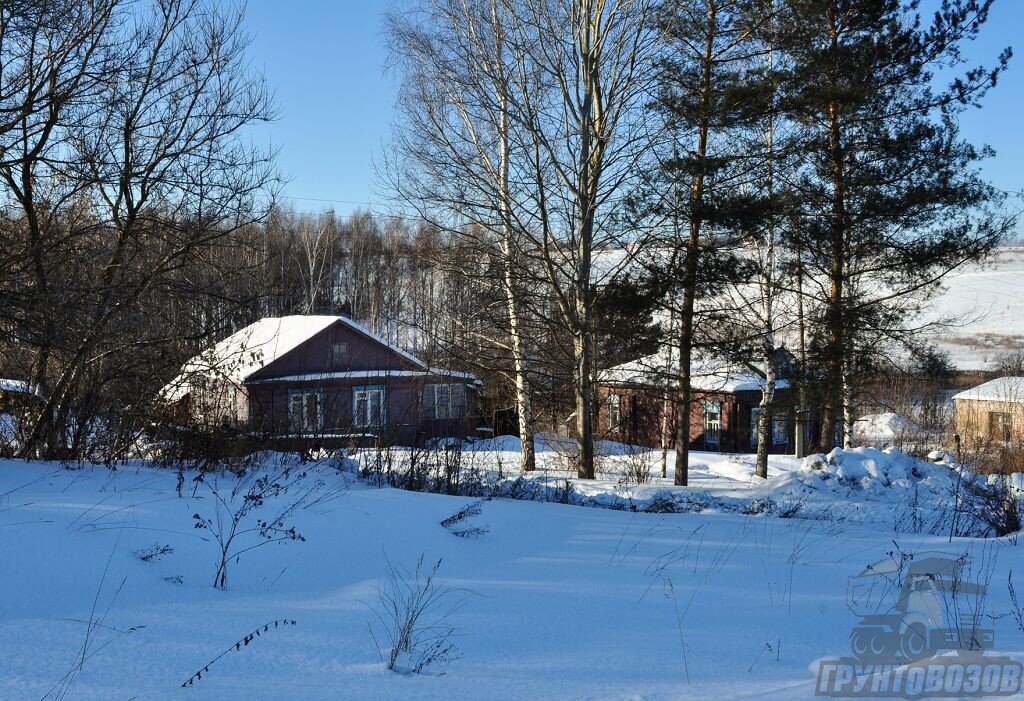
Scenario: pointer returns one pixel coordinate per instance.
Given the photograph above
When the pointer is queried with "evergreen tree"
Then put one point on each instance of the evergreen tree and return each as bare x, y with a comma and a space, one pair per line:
890, 193
708, 92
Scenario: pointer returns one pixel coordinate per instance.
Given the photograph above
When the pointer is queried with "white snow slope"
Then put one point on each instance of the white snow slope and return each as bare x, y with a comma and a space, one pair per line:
985, 307
566, 603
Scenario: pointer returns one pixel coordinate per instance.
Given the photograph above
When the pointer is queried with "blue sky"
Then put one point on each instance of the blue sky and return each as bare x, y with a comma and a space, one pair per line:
325, 60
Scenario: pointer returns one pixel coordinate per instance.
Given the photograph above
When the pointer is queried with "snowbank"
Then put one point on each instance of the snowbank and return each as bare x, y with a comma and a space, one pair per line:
860, 485
883, 428
671, 605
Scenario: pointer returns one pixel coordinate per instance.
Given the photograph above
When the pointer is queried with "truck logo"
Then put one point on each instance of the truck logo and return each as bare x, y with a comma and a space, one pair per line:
920, 633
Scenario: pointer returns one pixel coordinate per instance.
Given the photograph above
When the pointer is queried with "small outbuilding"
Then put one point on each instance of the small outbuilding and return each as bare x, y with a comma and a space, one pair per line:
18, 402
322, 380
991, 413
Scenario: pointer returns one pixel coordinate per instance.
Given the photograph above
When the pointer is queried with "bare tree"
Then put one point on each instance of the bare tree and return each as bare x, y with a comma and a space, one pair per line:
316, 238
455, 144
584, 69
51, 54
132, 169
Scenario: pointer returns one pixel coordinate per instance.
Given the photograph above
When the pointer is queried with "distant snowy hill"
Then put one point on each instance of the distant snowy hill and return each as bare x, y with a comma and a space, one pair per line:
986, 305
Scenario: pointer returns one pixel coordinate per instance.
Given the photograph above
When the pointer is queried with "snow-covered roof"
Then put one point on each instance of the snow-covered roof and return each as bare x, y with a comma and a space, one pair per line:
707, 374
1001, 389
369, 374
15, 386
258, 345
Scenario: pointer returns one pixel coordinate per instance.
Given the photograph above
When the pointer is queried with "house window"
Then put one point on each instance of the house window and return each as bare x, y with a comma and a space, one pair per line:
369, 406
614, 410
712, 424
305, 410
339, 356
779, 428
1000, 426
231, 413
444, 401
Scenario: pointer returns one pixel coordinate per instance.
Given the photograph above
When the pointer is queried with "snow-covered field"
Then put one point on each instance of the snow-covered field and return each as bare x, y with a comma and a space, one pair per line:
560, 601
985, 306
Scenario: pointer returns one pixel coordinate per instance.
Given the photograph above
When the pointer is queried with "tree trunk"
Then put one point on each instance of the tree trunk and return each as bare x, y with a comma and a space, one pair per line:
800, 427
590, 159
764, 418
849, 415
584, 408
767, 282
684, 393
689, 282
835, 352
524, 405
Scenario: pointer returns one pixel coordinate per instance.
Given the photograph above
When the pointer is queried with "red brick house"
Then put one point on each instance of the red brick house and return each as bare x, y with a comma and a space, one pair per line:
635, 404
323, 379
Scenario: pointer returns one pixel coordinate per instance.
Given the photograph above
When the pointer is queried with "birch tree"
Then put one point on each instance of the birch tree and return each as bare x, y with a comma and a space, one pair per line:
583, 73
527, 121
764, 307
455, 149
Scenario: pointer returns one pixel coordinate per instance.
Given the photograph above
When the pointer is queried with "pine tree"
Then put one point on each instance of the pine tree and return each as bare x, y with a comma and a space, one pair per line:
890, 193
693, 200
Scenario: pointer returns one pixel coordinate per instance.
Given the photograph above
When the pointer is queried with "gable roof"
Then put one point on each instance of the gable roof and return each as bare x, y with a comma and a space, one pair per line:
708, 373
1001, 389
259, 344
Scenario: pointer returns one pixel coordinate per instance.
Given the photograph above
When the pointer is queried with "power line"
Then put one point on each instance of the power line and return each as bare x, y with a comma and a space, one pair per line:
374, 207
324, 199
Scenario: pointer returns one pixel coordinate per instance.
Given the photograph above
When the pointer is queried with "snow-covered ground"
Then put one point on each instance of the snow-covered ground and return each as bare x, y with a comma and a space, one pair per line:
561, 601
984, 306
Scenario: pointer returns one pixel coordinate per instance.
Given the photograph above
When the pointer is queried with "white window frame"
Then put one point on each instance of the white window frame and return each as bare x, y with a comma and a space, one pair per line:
366, 392
444, 401
712, 427
298, 423
614, 402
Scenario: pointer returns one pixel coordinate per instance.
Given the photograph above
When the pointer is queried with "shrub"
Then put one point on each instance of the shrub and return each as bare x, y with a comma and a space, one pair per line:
993, 504
235, 522
637, 465
412, 611
455, 524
